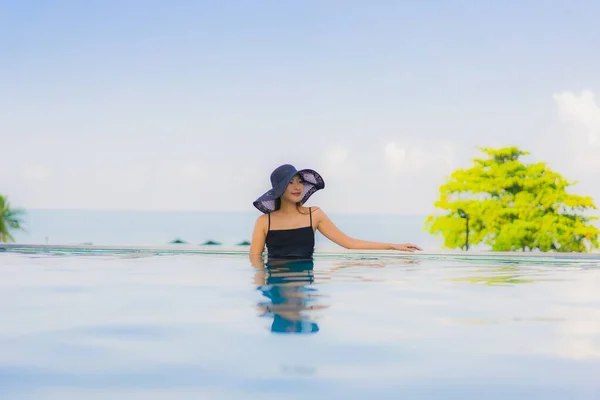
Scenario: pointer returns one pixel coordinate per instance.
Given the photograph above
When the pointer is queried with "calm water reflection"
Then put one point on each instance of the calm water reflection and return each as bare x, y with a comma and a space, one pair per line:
195, 327
292, 297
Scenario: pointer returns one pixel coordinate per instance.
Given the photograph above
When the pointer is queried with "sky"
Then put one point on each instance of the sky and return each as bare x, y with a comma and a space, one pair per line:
189, 105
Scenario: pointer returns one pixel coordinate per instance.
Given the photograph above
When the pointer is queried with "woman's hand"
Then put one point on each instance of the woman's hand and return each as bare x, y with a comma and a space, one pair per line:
406, 247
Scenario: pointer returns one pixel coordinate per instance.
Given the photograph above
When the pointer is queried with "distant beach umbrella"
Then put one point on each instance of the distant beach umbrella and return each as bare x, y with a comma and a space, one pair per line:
244, 243
178, 241
211, 243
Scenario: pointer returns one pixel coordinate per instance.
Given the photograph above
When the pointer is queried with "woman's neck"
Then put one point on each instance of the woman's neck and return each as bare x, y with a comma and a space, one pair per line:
288, 208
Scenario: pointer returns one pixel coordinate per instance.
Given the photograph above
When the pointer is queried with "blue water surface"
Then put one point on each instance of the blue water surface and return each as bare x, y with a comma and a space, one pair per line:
215, 327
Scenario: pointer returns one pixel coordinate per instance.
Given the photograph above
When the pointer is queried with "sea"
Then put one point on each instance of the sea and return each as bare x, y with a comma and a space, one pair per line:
156, 228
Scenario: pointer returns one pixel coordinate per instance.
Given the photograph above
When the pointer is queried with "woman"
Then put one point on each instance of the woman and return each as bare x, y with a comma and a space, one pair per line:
288, 228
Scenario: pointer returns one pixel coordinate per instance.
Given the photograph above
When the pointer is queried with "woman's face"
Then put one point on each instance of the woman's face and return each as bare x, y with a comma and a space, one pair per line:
295, 189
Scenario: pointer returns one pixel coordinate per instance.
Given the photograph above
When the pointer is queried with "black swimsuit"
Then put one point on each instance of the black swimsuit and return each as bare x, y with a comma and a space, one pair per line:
295, 243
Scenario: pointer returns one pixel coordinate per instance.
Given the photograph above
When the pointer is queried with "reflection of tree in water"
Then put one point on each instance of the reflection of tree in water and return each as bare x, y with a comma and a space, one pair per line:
495, 280
287, 285
508, 276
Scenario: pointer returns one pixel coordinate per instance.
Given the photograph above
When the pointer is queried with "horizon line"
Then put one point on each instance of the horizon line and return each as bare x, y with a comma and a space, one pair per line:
205, 211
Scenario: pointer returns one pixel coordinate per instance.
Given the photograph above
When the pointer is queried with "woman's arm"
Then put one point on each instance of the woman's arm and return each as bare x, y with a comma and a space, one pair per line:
333, 233
257, 244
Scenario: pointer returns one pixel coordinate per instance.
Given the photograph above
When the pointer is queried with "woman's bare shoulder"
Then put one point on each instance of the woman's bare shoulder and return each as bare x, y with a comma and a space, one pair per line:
317, 212
262, 219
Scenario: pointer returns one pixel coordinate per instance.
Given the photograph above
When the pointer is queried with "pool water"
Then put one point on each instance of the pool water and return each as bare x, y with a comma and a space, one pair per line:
215, 327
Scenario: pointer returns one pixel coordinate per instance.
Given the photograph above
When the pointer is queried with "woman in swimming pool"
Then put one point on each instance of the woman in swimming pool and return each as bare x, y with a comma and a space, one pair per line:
288, 228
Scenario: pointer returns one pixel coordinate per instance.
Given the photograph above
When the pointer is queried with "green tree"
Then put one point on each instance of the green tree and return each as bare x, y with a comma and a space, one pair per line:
10, 219
513, 206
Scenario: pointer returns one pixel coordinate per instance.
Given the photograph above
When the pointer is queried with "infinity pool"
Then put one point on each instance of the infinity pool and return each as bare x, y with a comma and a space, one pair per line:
214, 327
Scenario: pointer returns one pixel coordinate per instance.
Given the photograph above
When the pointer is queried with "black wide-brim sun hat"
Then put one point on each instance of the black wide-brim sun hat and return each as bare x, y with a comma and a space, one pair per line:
280, 179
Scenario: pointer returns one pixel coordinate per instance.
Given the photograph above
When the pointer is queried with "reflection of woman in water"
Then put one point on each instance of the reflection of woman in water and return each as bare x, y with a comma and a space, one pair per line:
288, 228
287, 285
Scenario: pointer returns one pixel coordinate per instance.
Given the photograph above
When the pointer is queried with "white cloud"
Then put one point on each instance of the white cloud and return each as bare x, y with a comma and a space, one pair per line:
395, 155
340, 169
337, 155
180, 171
426, 158
36, 172
338, 162
580, 156
581, 111
192, 170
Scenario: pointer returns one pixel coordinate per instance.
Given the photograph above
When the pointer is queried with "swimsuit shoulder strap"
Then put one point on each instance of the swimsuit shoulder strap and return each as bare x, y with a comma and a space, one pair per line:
310, 214
269, 226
